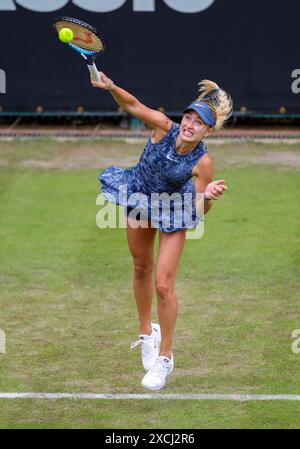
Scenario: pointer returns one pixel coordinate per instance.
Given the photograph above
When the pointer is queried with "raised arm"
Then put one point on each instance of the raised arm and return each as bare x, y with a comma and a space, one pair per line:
127, 102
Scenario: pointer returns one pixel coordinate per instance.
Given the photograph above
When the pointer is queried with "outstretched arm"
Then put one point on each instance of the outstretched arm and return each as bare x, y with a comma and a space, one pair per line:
127, 102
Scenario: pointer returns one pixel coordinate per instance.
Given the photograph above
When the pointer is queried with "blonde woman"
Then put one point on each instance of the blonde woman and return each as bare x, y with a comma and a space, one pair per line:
172, 156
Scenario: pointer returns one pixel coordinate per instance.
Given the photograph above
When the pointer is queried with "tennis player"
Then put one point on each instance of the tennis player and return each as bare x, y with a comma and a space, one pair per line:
173, 155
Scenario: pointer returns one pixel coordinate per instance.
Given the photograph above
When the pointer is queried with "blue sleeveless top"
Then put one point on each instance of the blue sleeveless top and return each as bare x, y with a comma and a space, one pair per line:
160, 171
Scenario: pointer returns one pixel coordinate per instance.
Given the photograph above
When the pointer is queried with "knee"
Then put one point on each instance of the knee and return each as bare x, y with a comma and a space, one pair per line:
142, 271
164, 290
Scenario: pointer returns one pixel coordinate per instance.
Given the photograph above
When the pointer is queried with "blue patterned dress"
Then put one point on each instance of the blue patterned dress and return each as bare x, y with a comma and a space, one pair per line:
160, 171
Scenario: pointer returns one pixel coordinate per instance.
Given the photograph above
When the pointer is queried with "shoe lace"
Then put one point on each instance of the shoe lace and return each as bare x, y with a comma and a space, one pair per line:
159, 366
147, 346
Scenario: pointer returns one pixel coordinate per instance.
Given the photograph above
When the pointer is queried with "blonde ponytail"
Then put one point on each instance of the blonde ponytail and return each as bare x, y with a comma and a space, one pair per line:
217, 99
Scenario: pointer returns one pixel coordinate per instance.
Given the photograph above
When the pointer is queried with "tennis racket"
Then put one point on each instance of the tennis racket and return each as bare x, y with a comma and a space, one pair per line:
86, 41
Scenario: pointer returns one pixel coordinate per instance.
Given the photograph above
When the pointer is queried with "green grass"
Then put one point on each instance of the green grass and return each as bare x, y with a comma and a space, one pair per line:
68, 310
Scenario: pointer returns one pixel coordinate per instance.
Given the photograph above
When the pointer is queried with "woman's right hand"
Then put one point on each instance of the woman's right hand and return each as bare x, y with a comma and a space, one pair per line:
104, 83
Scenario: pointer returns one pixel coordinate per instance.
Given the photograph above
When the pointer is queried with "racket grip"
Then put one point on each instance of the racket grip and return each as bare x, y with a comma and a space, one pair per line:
94, 72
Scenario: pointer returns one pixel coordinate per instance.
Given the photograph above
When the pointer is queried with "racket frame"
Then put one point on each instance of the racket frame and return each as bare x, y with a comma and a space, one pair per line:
88, 55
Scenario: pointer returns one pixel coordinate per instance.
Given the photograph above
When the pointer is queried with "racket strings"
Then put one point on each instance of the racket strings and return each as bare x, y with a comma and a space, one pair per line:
83, 37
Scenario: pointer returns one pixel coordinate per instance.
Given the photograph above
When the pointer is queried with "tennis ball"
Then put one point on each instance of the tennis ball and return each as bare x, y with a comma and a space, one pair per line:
65, 35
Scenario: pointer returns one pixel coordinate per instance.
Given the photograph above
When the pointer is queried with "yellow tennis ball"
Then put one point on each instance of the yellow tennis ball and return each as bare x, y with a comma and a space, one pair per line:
65, 35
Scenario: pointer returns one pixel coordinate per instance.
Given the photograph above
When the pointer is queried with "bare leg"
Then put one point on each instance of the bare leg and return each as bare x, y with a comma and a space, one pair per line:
169, 253
141, 245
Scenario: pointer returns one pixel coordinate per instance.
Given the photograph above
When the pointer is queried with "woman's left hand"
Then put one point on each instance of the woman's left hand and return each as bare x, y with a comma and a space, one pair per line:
215, 189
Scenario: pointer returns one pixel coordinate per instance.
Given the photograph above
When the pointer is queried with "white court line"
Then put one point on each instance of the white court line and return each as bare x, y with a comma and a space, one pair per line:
201, 397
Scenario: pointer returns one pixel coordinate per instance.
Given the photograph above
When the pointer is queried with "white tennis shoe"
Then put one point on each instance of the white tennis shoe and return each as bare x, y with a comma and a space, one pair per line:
150, 346
155, 379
